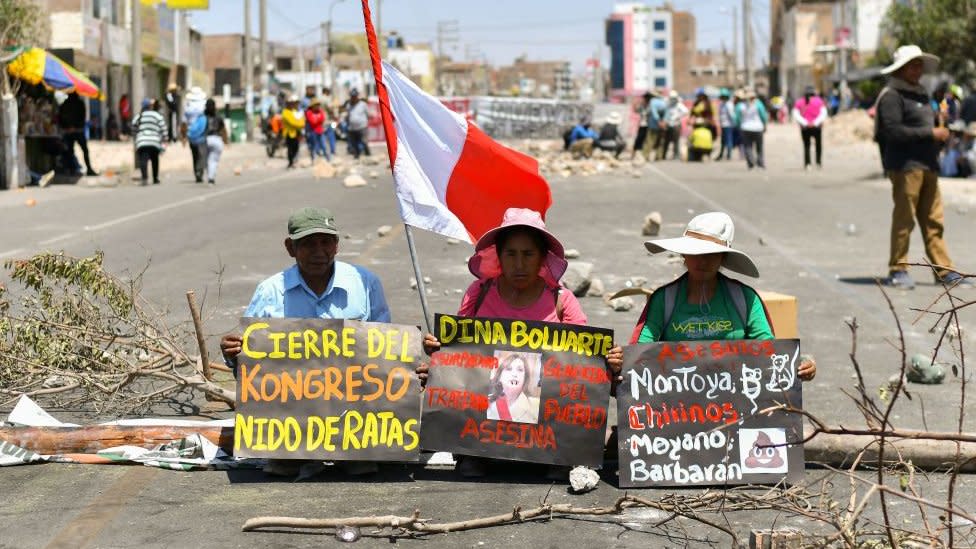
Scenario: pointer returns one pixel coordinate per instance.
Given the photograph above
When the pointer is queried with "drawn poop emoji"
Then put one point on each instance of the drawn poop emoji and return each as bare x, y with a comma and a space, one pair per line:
763, 454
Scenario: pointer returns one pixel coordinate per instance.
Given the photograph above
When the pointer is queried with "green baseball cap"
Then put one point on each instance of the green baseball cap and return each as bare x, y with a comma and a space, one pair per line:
308, 221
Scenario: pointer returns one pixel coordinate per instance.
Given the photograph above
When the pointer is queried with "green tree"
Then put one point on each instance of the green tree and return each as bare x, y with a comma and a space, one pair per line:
946, 28
21, 26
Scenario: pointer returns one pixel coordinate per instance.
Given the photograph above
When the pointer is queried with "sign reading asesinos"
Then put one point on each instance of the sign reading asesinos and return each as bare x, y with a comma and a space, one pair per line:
327, 389
519, 390
687, 413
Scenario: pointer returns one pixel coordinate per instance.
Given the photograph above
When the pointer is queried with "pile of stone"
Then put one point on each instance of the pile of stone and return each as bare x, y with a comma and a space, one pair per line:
849, 127
555, 162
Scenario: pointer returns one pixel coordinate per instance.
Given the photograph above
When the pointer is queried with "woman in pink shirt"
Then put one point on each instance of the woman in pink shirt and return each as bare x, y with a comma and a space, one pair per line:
810, 112
518, 266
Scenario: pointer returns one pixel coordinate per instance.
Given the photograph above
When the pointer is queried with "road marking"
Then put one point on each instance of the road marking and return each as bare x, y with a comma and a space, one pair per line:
146, 213
90, 521
849, 294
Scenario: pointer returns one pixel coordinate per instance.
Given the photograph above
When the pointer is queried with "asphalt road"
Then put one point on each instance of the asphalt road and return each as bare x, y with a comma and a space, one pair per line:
821, 236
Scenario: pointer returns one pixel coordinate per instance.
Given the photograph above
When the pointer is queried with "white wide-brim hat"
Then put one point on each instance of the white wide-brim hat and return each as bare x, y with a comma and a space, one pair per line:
708, 233
904, 54
196, 93
614, 118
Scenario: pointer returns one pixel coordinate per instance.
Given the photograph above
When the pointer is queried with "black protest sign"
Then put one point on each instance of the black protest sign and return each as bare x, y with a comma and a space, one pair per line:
328, 390
519, 390
688, 413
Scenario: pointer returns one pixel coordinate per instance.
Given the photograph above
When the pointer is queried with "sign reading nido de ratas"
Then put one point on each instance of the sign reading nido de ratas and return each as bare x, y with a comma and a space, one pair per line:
327, 389
518, 390
688, 413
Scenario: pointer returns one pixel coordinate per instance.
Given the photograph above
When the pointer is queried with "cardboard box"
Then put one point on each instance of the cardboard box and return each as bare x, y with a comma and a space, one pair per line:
782, 310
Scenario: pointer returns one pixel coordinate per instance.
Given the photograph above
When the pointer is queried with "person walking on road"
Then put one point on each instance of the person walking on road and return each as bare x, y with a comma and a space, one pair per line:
910, 142
810, 112
726, 121
673, 119
751, 117
216, 139
150, 131
656, 127
315, 121
641, 108
293, 122
357, 120
72, 118
193, 129
172, 111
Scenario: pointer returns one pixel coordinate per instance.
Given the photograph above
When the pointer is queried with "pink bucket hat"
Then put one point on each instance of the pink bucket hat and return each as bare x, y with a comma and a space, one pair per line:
484, 263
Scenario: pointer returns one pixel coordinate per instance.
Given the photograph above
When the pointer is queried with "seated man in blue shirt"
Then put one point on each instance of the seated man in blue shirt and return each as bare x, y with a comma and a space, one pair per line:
581, 139
316, 286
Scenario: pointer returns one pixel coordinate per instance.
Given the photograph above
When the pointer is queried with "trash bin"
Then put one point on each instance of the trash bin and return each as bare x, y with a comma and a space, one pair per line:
235, 122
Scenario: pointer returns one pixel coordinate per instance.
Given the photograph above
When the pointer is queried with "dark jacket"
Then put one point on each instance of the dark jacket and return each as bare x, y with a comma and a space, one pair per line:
71, 114
905, 122
968, 110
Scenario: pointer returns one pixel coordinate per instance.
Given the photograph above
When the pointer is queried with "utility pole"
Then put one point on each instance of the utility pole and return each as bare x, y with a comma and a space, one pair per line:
735, 45
447, 33
263, 48
248, 74
842, 46
747, 39
135, 92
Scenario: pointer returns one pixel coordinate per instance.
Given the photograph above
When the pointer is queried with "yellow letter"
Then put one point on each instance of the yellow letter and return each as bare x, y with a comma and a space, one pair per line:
349, 432
519, 337
448, 329
348, 342
276, 352
408, 428
243, 431
247, 335
374, 342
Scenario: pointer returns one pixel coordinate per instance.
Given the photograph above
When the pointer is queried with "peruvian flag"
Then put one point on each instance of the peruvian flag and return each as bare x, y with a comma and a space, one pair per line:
450, 177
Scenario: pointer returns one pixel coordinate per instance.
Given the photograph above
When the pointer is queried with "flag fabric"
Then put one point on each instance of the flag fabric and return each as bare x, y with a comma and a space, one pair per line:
450, 177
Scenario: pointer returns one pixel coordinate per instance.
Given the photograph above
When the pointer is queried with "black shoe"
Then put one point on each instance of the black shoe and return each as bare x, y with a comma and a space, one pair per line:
199, 180
212, 181
91, 173
155, 182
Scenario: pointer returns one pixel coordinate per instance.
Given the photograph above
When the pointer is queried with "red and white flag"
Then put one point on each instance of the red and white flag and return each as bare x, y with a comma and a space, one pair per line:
450, 177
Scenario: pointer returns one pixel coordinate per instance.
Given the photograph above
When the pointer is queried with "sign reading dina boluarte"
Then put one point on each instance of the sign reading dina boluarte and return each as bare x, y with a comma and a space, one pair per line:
518, 390
688, 413
327, 389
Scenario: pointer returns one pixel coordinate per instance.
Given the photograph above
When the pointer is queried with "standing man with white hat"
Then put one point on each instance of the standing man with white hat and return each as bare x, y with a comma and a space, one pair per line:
910, 143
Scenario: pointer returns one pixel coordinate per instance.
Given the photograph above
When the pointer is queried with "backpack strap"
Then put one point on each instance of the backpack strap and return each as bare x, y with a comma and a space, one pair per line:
557, 293
482, 293
670, 300
736, 292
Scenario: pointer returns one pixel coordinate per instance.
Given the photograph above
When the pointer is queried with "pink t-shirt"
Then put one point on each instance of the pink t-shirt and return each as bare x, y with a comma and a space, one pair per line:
544, 308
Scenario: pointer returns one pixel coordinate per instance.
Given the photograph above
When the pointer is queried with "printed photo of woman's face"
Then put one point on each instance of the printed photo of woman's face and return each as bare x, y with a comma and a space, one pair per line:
514, 386
512, 377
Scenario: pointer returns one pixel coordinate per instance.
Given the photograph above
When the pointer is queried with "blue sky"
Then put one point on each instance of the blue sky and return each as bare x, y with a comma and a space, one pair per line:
498, 30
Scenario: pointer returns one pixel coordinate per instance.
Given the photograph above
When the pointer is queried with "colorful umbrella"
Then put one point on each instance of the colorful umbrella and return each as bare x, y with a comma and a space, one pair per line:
37, 66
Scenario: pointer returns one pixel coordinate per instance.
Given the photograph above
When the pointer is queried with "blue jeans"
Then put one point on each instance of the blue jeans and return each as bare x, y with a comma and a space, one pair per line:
316, 145
728, 142
330, 136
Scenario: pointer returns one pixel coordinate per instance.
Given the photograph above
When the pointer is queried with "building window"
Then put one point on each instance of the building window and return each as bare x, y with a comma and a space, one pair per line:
660, 44
660, 82
283, 63
660, 25
660, 63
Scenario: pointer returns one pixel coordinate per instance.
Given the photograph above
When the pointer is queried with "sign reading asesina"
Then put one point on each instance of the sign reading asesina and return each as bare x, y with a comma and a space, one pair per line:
327, 389
518, 390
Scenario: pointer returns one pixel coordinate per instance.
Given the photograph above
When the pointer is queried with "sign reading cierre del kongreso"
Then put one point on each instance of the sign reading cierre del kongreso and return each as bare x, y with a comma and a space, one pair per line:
518, 390
688, 413
327, 389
